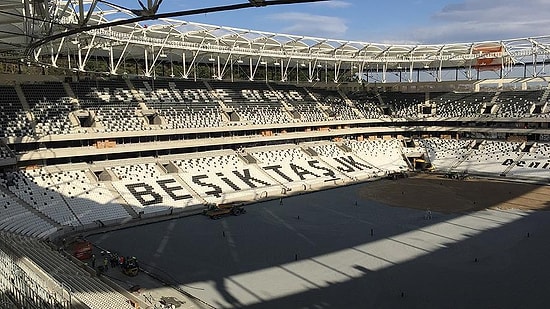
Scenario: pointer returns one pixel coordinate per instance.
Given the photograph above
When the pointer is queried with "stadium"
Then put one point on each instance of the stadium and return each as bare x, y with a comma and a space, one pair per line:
151, 162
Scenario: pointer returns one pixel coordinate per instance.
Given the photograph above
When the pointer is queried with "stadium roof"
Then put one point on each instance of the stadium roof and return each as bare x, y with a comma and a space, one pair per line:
93, 27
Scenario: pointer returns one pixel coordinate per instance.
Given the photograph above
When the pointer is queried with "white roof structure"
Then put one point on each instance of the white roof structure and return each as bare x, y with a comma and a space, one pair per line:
45, 31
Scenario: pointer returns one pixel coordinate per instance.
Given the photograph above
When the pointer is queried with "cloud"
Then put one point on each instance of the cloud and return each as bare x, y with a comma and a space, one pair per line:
474, 20
335, 4
311, 24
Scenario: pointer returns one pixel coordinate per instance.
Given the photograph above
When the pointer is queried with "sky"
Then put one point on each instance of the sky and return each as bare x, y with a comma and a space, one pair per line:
382, 21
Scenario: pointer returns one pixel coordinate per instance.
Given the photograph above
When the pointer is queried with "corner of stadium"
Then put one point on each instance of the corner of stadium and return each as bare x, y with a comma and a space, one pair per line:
151, 162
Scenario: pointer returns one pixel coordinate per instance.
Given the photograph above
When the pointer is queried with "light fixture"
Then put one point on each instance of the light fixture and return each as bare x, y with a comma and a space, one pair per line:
211, 59
426, 66
302, 64
163, 55
277, 63
240, 61
263, 62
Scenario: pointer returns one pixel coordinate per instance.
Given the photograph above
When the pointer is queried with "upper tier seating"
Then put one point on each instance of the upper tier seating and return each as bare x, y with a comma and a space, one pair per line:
517, 103
302, 103
182, 104
337, 108
367, 103
254, 102
453, 104
50, 106
404, 105
13, 119
112, 101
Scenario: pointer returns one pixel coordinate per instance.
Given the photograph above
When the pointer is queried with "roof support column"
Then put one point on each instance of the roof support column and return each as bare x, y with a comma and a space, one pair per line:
231, 67
311, 72
146, 60
251, 75
184, 66
411, 71
218, 73
337, 66
112, 68
80, 62
535, 73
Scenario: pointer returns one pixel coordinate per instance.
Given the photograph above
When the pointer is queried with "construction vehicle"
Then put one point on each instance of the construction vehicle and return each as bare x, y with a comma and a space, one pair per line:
217, 211
130, 267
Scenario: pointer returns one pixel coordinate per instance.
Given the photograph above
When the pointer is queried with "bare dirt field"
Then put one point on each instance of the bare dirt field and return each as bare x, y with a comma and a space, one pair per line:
437, 193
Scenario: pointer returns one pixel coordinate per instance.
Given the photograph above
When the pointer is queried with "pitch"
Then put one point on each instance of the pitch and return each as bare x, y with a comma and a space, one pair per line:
348, 248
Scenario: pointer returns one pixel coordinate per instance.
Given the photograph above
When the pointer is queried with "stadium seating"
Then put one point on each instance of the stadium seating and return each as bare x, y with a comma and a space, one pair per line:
404, 105
367, 103
307, 109
148, 190
292, 167
50, 106
254, 103
343, 161
15, 218
225, 177
91, 291
182, 104
444, 154
517, 103
383, 154
451, 104
489, 157
114, 105
13, 119
534, 164
34, 188
334, 105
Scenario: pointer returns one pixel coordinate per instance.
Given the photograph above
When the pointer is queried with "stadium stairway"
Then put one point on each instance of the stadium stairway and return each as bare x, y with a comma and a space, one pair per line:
461, 160
351, 104
120, 199
511, 166
189, 189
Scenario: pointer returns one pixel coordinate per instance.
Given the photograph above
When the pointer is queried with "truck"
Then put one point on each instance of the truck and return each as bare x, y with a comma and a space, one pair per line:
216, 211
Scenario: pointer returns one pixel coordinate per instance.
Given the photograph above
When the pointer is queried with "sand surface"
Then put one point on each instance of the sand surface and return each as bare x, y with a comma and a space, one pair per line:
437, 193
